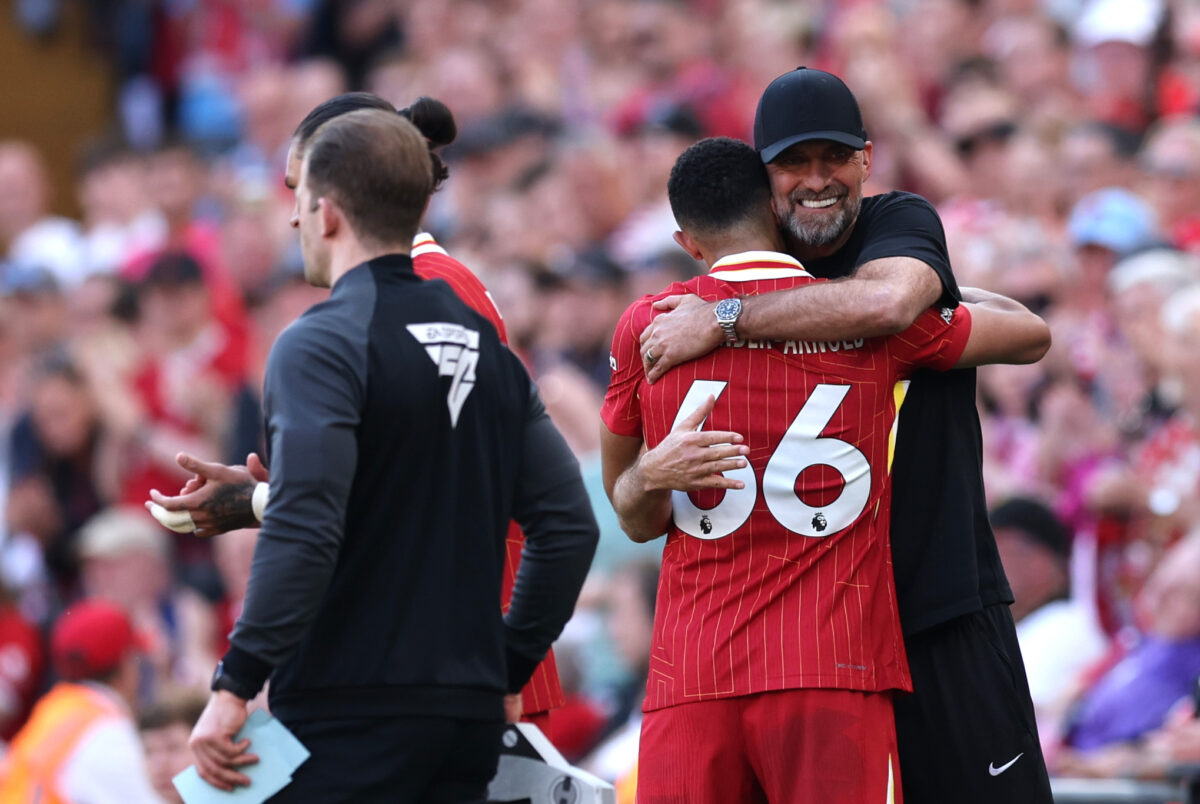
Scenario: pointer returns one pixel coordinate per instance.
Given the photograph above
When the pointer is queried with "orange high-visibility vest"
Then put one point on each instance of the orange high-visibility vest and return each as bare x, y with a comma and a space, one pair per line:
627, 786
30, 772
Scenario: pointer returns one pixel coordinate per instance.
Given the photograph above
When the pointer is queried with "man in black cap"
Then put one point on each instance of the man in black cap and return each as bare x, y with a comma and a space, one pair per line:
968, 734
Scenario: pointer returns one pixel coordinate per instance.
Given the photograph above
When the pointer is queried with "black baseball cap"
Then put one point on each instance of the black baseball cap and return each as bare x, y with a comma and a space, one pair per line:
806, 104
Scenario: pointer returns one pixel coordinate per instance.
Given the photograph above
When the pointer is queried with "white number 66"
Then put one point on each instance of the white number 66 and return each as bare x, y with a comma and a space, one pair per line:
800, 448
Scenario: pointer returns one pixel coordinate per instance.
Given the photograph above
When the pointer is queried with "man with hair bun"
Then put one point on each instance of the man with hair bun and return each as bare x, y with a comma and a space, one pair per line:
372, 596
219, 498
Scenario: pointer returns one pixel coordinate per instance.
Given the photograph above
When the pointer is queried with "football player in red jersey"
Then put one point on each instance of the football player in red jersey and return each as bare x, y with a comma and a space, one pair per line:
777, 641
218, 498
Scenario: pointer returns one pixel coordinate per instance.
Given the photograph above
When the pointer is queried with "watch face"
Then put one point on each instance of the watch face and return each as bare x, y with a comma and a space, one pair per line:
728, 309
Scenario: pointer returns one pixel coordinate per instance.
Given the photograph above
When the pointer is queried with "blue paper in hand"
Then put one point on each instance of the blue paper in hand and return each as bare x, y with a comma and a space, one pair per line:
279, 754
262, 729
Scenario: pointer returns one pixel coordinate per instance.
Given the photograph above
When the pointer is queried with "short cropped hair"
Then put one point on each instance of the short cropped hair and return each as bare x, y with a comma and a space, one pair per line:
717, 183
375, 166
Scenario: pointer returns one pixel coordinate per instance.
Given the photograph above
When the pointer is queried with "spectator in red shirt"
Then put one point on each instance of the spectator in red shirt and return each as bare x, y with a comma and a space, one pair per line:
22, 666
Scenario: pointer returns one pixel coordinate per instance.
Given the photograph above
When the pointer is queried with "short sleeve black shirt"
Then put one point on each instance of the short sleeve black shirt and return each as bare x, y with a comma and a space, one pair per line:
943, 549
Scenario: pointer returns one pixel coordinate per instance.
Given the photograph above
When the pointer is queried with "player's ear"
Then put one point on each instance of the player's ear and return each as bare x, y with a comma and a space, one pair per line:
868, 148
330, 216
688, 244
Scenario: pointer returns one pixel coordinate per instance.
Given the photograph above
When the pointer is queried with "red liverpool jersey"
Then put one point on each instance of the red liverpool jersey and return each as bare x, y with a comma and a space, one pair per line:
788, 582
430, 261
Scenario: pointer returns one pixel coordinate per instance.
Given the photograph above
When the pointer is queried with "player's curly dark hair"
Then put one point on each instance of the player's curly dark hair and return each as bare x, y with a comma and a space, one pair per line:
432, 118
716, 183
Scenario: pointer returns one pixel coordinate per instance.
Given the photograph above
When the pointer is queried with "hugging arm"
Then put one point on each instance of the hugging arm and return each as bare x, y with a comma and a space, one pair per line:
883, 297
1002, 331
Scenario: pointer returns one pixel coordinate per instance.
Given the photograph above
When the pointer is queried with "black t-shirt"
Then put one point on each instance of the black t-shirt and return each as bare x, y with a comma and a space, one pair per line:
943, 549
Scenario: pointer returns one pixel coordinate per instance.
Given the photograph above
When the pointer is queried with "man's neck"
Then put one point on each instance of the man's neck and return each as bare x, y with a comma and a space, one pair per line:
355, 253
739, 245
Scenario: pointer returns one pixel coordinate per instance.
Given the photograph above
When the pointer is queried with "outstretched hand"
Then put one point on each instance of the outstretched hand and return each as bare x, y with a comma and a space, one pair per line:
685, 330
690, 459
216, 499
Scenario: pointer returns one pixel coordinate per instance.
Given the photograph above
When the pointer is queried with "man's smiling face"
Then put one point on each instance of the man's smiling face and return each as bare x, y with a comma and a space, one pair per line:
816, 189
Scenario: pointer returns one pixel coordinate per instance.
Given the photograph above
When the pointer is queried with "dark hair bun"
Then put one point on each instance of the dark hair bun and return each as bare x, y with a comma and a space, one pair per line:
433, 119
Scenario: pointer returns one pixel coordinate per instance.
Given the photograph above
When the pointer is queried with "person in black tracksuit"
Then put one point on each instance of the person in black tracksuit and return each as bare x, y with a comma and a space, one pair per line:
968, 732
403, 436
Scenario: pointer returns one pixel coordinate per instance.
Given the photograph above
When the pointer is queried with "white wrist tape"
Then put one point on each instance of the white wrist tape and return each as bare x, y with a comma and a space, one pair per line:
258, 502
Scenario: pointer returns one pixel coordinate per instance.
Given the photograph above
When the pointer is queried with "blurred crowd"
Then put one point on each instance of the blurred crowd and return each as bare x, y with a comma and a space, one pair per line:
1059, 139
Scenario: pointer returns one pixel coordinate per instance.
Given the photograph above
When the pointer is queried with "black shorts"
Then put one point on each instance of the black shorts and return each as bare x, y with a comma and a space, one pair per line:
969, 732
394, 760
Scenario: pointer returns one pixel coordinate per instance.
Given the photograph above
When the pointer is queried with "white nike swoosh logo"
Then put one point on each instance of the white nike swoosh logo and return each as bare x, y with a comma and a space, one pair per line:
994, 771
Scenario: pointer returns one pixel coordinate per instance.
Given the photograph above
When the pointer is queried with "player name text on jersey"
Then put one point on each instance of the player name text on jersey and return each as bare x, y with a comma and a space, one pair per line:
798, 347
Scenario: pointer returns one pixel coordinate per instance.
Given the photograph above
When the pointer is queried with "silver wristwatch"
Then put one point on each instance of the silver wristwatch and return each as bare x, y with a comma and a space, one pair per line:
728, 311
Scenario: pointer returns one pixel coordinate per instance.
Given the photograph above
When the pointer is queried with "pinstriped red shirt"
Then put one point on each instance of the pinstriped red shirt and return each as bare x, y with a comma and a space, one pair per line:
430, 261
786, 583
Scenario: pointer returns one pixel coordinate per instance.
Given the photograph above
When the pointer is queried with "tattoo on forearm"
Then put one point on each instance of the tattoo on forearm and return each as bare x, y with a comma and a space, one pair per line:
230, 508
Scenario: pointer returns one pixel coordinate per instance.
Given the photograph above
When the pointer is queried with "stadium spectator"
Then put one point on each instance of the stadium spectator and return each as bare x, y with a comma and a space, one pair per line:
1059, 634
1134, 696
1171, 163
80, 743
164, 727
22, 665
1032, 52
1103, 227
38, 311
125, 558
630, 596
1139, 286
352, 32
180, 396
119, 221
29, 234
575, 726
1146, 500
670, 48
652, 143
1113, 40
57, 447
179, 183
1095, 155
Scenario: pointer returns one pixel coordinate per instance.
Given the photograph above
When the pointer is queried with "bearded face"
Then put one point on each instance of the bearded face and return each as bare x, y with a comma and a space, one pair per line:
816, 193
815, 220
